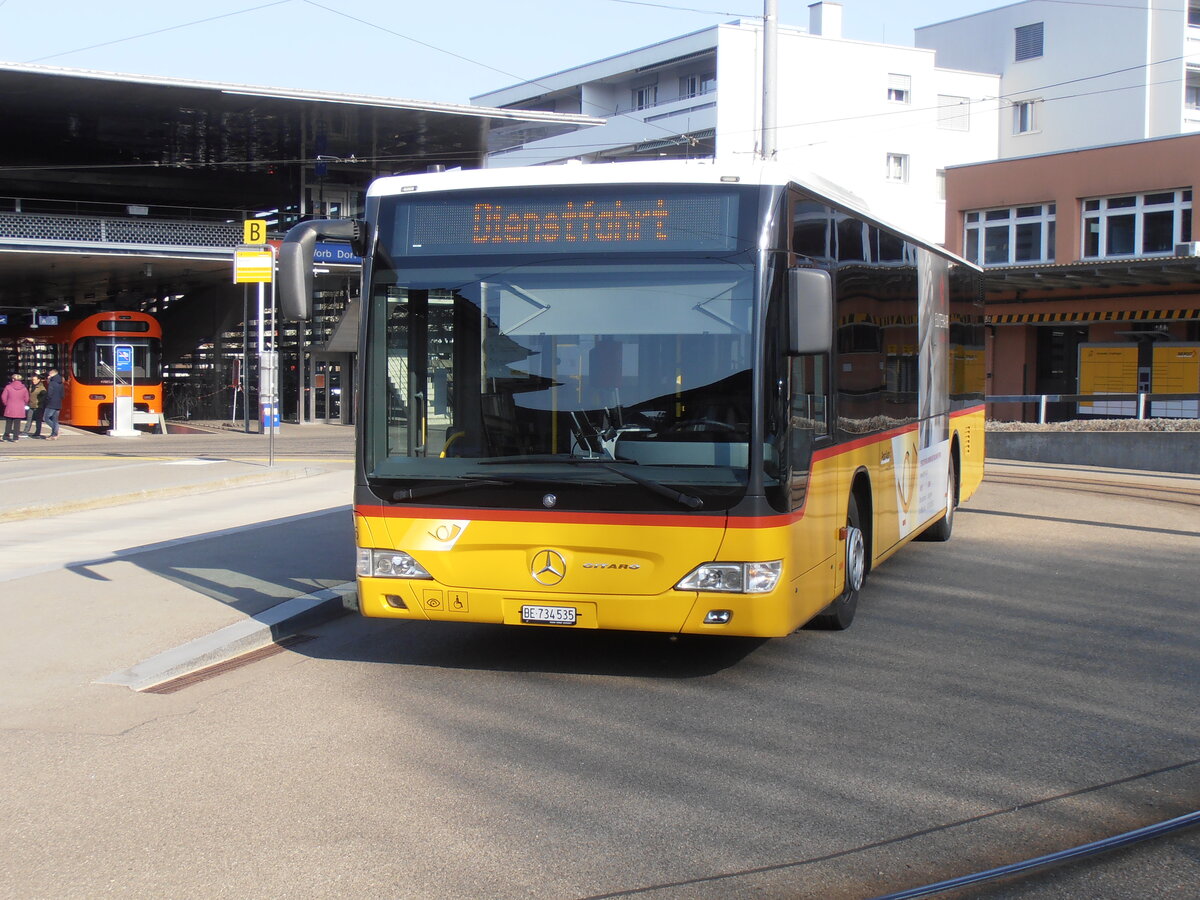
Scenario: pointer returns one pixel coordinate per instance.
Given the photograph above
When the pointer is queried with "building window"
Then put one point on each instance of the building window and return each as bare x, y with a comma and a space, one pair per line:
1029, 41
954, 113
897, 167
1137, 224
696, 84
1013, 235
1191, 93
1025, 118
645, 96
899, 88
1193, 13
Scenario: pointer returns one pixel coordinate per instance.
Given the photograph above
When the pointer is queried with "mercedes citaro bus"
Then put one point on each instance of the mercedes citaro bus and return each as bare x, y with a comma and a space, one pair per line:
667, 396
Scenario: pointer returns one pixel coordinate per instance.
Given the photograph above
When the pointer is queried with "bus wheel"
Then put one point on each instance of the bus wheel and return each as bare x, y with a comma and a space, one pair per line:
942, 528
838, 615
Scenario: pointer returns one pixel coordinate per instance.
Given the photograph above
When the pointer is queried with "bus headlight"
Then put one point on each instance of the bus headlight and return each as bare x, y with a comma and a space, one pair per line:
733, 578
388, 564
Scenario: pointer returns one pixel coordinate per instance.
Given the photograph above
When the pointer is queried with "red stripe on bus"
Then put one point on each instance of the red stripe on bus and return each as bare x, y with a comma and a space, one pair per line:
967, 411
865, 441
582, 518
557, 518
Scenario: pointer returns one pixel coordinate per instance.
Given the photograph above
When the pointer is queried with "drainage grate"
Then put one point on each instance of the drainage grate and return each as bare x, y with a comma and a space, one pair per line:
182, 681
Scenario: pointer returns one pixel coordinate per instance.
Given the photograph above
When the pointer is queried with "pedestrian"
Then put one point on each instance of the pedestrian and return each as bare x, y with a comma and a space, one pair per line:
15, 399
54, 402
37, 399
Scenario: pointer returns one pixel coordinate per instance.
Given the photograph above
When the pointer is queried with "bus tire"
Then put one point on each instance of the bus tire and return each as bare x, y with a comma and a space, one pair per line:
944, 527
838, 615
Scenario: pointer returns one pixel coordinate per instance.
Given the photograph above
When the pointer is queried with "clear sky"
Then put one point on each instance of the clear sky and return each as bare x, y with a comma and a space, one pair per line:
445, 50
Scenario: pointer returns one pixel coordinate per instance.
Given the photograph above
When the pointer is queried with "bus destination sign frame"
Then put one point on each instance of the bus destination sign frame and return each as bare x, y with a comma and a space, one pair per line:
575, 221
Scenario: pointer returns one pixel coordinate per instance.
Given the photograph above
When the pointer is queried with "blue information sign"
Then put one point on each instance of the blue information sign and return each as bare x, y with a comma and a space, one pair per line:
124, 359
335, 253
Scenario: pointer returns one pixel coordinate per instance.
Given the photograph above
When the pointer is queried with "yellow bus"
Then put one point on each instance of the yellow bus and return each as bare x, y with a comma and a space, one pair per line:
665, 396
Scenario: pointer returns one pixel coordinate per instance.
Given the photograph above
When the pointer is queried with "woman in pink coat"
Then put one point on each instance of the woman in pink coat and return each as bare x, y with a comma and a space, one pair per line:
14, 398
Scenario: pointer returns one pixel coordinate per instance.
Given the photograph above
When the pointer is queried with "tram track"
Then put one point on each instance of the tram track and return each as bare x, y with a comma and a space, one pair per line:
1154, 492
1034, 859
1045, 861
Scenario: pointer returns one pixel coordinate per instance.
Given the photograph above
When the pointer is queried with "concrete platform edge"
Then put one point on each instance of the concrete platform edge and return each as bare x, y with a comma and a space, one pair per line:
280, 621
268, 476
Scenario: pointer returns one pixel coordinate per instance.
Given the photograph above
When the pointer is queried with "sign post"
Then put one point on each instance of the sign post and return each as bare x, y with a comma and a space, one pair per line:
254, 263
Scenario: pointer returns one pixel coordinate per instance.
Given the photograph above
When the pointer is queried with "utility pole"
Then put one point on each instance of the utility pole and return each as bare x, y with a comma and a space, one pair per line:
770, 77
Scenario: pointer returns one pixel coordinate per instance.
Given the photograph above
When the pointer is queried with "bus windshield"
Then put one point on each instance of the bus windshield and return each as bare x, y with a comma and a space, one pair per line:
630, 363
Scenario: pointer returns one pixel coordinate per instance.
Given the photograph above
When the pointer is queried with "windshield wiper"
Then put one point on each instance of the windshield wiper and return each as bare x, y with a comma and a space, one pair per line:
445, 487
688, 500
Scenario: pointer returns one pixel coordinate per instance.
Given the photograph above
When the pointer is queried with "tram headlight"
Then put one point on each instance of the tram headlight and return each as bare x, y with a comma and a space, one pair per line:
733, 578
388, 564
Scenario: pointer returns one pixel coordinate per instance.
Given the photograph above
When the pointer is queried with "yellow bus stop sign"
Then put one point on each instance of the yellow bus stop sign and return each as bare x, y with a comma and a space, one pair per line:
253, 265
254, 231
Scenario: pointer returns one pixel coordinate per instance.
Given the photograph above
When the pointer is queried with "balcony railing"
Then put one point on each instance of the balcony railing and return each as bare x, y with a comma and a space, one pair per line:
1117, 406
112, 230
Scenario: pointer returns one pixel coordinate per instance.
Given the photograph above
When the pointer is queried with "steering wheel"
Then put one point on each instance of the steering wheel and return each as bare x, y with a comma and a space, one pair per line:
449, 448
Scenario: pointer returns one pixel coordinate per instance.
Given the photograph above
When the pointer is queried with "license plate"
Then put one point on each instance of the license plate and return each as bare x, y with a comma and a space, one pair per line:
548, 615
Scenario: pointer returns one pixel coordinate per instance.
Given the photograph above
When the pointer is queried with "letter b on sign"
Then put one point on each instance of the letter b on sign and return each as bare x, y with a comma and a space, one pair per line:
254, 231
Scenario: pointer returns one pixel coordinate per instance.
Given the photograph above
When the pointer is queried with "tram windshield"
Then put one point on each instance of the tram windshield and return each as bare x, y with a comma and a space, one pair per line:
96, 360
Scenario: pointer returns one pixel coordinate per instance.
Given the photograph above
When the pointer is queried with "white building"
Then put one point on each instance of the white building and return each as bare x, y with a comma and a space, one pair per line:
881, 120
1075, 75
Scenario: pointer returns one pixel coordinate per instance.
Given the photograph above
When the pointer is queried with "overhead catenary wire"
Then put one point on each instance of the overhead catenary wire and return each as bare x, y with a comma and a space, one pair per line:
406, 37
691, 9
144, 34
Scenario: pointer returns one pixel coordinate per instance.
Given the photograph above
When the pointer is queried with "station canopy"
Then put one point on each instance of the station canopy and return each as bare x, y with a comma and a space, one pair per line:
118, 185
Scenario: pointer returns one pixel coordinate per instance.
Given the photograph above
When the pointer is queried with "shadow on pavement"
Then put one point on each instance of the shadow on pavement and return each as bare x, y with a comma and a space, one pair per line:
506, 648
251, 568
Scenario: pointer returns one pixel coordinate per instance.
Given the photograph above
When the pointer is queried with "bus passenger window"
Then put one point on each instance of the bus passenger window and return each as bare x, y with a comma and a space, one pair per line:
809, 393
809, 419
811, 229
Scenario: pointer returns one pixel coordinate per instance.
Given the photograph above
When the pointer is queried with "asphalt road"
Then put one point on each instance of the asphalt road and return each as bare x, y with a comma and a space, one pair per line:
1029, 686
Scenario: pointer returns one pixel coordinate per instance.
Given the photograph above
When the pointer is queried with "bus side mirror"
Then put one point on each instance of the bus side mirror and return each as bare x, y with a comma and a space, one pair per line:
295, 277
810, 311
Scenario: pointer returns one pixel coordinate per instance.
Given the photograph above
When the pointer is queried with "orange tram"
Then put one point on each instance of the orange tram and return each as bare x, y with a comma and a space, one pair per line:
100, 357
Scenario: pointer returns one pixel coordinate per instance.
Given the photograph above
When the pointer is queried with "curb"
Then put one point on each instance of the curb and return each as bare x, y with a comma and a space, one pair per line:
204, 487
281, 621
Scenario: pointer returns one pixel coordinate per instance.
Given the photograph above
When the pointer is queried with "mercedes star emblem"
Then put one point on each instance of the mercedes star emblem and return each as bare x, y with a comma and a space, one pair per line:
549, 567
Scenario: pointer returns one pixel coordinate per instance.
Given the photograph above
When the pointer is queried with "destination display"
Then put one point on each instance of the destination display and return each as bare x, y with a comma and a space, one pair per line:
574, 220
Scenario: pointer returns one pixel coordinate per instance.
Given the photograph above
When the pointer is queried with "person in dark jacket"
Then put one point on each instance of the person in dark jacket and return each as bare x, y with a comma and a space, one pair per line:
15, 399
37, 397
54, 401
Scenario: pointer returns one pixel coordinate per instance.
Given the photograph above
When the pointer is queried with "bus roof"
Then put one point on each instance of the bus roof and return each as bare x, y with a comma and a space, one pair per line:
700, 171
